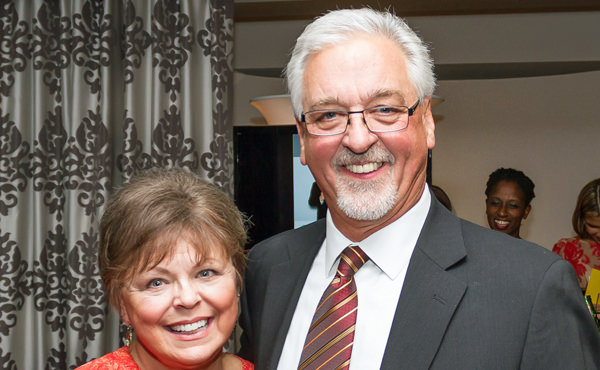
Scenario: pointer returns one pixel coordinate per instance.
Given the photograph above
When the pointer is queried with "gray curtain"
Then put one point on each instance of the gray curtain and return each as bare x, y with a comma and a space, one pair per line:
90, 92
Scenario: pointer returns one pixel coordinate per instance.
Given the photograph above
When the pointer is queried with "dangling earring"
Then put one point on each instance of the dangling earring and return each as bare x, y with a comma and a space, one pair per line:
129, 337
322, 198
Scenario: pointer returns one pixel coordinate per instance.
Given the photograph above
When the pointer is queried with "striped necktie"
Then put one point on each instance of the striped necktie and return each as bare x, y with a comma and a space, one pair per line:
329, 341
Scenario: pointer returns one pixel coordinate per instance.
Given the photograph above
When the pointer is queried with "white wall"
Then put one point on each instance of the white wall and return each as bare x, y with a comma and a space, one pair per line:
547, 127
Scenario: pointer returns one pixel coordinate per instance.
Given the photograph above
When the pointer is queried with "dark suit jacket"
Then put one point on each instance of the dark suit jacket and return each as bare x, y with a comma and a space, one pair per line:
472, 299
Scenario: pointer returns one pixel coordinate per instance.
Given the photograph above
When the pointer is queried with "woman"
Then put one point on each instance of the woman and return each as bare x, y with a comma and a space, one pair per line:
583, 250
509, 193
172, 261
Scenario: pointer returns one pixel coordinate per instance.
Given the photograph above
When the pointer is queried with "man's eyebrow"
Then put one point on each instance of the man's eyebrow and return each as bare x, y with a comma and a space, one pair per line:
382, 93
322, 102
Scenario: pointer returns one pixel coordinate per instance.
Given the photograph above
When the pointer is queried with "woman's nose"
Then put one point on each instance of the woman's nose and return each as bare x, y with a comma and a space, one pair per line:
187, 296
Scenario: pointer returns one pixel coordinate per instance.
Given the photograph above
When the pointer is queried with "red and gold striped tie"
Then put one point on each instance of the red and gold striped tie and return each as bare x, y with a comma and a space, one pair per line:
329, 341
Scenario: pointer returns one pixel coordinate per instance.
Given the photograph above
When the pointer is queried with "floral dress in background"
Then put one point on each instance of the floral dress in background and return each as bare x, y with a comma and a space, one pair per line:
583, 254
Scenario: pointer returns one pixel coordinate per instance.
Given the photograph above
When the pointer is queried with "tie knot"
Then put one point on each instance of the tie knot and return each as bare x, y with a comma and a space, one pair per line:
352, 259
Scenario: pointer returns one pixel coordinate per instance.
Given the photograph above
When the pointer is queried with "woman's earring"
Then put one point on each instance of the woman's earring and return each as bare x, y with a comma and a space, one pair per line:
322, 198
129, 337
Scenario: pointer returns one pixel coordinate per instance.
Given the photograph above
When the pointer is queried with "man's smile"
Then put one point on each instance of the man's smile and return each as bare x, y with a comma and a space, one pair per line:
364, 168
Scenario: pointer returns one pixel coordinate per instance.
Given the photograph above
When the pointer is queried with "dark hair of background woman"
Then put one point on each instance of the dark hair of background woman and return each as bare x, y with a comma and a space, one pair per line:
516, 176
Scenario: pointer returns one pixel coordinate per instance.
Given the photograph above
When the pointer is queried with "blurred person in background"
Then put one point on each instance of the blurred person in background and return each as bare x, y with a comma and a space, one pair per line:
508, 200
441, 195
583, 250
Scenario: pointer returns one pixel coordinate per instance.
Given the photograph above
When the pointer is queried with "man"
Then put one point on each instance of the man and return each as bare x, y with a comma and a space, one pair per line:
435, 291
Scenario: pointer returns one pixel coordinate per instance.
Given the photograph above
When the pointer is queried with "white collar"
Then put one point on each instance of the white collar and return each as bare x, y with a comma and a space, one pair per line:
389, 248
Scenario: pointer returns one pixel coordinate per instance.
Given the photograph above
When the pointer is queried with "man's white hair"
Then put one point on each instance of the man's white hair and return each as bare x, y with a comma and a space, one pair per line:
341, 25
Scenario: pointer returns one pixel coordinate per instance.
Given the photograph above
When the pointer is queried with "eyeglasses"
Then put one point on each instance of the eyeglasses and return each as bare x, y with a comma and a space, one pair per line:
382, 118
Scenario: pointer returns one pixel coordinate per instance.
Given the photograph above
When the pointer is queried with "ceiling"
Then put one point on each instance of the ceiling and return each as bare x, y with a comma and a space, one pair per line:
277, 10
480, 71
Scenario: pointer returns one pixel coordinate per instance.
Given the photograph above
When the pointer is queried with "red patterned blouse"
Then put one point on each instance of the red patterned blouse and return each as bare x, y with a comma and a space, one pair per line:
583, 254
122, 360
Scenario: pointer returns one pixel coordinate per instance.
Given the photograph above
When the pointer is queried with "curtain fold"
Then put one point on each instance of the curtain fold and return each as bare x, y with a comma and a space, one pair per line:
92, 91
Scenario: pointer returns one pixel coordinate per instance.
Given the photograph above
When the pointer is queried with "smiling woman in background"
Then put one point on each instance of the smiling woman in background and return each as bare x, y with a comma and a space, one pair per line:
171, 257
583, 250
509, 193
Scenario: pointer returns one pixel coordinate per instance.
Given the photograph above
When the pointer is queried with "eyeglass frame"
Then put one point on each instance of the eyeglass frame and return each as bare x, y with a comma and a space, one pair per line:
410, 112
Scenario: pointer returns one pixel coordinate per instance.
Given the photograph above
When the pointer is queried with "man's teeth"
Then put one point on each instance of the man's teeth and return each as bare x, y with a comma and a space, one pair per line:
364, 168
190, 327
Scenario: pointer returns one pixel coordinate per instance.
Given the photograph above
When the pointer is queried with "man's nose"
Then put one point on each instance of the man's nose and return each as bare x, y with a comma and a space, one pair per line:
358, 137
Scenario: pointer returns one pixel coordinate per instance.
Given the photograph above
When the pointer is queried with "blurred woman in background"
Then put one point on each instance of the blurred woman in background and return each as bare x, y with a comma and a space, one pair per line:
509, 193
441, 195
583, 250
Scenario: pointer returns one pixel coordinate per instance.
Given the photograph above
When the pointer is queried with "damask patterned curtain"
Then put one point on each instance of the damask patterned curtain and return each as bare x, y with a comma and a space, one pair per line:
90, 92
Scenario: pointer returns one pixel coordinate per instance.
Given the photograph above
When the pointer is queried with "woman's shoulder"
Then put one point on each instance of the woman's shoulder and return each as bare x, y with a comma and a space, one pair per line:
117, 360
571, 239
246, 365
567, 241
575, 242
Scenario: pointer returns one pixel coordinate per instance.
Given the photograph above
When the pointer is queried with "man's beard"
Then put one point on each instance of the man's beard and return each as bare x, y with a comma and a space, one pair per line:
366, 200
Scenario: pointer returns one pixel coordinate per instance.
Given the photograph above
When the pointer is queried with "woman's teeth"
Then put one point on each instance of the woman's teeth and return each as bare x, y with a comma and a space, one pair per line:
188, 328
364, 168
501, 224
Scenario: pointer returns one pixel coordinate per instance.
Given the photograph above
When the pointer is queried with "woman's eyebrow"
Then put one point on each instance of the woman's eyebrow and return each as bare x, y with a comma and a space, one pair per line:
592, 224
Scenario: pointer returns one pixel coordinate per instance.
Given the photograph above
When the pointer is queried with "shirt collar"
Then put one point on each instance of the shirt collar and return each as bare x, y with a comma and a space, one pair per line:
389, 248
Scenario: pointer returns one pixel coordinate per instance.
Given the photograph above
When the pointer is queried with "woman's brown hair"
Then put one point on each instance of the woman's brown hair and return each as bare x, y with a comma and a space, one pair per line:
148, 215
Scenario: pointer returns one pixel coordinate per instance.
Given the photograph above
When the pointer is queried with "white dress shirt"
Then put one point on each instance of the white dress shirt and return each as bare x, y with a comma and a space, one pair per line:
378, 283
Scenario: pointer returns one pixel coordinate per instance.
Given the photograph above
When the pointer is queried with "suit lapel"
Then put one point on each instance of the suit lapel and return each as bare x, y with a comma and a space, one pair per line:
430, 294
286, 281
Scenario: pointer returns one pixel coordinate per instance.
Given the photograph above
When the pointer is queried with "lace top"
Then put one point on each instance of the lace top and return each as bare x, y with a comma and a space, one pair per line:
583, 254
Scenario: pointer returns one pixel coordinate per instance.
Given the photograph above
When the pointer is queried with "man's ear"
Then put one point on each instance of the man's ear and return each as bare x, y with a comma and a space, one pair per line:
428, 123
301, 134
